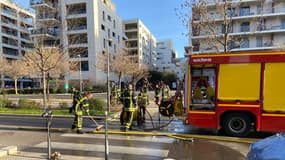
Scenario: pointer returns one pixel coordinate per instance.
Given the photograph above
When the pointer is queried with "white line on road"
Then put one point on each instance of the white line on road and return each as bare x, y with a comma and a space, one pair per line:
121, 137
113, 149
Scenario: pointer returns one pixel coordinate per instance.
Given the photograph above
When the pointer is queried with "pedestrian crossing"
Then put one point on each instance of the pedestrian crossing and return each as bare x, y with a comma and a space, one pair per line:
92, 146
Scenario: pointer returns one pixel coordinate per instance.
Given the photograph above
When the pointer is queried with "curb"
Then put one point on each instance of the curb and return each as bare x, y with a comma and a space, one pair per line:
5, 151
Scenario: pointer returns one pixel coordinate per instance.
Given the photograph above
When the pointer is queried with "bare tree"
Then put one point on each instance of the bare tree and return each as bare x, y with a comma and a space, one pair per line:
215, 23
15, 69
123, 64
120, 64
46, 60
3, 64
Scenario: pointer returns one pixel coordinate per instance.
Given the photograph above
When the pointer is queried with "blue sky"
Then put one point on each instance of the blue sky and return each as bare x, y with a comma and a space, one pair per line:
158, 15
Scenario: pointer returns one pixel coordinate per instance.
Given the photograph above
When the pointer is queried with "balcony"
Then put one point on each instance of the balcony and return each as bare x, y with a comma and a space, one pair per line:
9, 12
76, 10
41, 3
10, 42
77, 29
50, 33
77, 24
10, 52
26, 37
9, 31
49, 19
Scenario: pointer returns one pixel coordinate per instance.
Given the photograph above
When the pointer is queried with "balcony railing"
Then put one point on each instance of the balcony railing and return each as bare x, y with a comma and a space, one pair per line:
44, 31
41, 2
47, 16
81, 27
9, 12
78, 11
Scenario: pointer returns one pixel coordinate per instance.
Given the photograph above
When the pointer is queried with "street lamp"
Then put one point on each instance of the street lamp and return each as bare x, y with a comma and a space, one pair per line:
108, 100
80, 76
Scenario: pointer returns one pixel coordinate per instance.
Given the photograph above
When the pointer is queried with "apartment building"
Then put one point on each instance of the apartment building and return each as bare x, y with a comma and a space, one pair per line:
88, 30
250, 25
140, 42
167, 58
15, 38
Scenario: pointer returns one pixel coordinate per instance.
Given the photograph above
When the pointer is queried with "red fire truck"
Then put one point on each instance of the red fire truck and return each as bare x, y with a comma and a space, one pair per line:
237, 92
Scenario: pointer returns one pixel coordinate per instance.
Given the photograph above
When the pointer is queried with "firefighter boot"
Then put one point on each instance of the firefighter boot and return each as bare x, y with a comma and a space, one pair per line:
80, 131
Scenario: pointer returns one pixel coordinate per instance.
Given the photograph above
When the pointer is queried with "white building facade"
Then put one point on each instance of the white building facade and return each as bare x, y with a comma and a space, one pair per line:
254, 25
167, 58
140, 42
89, 30
15, 41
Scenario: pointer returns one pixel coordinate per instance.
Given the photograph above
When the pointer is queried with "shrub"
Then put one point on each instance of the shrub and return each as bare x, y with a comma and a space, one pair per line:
61, 90
97, 104
100, 88
28, 104
88, 88
5, 103
63, 105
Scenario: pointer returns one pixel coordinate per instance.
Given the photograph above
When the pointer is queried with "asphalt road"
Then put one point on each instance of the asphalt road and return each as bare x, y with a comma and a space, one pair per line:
33, 142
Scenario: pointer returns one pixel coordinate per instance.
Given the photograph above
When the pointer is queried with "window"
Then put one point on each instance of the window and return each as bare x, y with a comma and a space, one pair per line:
283, 24
84, 66
104, 43
244, 27
245, 11
109, 18
203, 88
102, 27
244, 43
114, 23
231, 12
109, 33
103, 14
259, 41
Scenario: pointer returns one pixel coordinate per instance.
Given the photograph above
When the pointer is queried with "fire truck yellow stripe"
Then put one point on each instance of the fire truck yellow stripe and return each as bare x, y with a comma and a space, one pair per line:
202, 112
275, 115
239, 105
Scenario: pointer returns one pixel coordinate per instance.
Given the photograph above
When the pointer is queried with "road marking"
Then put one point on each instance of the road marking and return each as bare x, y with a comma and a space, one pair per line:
113, 149
121, 137
37, 156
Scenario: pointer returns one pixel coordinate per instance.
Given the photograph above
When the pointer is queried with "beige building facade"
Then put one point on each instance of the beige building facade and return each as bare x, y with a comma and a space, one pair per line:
253, 25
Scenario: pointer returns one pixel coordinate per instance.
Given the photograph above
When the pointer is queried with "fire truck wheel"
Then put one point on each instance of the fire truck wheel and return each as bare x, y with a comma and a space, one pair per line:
236, 124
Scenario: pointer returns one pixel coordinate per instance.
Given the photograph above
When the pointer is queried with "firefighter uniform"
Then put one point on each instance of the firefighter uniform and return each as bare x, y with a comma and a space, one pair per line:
81, 105
157, 92
165, 93
128, 98
75, 94
143, 101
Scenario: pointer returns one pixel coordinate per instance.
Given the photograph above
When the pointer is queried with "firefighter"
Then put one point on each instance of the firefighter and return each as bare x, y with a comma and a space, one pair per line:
143, 101
118, 93
165, 92
157, 92
114, 96
145, 83
75, 95
128, 99
81, 105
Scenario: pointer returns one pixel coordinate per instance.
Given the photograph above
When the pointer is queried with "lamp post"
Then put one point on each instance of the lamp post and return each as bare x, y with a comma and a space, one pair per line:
108, 101
80, 76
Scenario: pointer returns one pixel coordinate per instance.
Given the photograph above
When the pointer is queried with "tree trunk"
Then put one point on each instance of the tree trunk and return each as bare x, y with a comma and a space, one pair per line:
16, 85
47, 90
120, 80
44, 90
